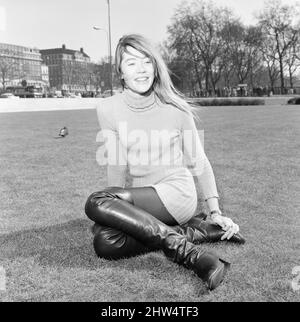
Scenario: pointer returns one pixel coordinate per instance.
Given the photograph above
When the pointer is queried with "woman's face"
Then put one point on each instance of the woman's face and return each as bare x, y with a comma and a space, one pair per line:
137, 71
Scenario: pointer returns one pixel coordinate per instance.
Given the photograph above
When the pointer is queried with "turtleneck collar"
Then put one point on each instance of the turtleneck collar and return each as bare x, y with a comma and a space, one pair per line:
137, 102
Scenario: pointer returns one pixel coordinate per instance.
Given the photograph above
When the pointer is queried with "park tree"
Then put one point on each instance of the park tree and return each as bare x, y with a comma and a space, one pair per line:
96, 77
242, 45
292, 60
9, 67
103, 71
181, 43
253, 42
269, 55
279, 26
210, 47
180, 68
228, 75
69, 73
84, 75
196, 35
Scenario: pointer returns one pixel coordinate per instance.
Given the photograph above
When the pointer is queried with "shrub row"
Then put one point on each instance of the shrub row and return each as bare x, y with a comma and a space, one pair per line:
294, 100
228, 101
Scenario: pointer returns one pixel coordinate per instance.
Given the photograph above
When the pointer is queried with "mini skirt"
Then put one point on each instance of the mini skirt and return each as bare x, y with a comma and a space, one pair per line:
178, 194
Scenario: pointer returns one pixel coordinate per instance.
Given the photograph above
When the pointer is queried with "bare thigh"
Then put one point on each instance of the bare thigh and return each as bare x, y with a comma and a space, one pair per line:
148, 199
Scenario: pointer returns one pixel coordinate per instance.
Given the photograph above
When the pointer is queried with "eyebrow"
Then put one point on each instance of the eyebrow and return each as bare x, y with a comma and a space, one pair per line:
127, 59
135, 58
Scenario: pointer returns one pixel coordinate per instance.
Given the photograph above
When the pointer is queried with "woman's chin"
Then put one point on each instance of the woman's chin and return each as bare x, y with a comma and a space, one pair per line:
141, 90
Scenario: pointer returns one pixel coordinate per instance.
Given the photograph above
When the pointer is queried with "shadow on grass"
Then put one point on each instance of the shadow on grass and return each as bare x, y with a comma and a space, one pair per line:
62, 245
67, 245
68, 249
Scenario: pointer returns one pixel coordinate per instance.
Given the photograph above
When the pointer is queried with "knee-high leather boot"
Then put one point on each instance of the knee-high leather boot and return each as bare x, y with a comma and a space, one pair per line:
199, 230
111, 243
106, 209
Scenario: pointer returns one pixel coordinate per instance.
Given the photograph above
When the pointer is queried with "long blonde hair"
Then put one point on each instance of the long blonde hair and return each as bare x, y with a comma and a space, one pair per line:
162, 84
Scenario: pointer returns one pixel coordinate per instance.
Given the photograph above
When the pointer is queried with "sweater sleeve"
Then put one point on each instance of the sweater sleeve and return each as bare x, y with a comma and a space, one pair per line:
195, 157
115, 154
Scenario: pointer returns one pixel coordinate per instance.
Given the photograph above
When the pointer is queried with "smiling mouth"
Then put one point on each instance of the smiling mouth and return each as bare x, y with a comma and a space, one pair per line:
141, 79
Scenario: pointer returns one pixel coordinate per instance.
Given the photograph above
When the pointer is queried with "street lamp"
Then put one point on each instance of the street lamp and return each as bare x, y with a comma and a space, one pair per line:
109, 55
108, 34
107, 37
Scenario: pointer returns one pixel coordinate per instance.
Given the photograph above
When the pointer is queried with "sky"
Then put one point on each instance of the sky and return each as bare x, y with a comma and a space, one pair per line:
50, 23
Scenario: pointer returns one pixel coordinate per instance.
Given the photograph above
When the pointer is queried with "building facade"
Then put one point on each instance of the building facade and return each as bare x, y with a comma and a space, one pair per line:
19, 64
68, 69
45, 75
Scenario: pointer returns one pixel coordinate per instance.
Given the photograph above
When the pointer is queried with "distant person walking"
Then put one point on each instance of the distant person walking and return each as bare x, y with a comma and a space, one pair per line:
151, 123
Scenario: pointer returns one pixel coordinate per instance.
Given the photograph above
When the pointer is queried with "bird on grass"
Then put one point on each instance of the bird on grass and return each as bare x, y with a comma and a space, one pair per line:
63, 132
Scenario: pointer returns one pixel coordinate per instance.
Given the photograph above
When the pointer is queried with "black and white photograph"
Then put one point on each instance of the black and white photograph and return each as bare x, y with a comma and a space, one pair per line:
149, 154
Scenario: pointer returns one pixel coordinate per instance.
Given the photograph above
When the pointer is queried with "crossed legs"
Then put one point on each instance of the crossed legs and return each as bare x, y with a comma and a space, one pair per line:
139, 216
112, 243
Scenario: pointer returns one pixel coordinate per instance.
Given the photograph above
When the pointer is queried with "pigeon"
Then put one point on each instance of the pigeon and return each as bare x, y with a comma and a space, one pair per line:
63, 132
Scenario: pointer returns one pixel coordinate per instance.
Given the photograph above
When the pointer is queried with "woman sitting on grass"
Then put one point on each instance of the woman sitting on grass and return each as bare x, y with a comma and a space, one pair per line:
154, 130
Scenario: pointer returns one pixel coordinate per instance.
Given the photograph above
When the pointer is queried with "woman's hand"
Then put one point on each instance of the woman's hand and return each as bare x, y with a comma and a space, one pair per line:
227, 225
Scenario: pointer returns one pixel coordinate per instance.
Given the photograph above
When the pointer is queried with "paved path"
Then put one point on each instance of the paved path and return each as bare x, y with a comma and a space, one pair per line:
53, 104
45, 104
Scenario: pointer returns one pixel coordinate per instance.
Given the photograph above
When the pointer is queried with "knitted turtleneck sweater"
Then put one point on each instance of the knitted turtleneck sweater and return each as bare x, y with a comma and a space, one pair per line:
154, 140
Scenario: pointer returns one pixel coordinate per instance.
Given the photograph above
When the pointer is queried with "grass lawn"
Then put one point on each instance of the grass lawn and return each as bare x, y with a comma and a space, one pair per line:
45, 242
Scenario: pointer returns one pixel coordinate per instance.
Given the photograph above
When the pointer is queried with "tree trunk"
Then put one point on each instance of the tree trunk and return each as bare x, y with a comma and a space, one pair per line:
281, 75
251, 75
291, 77
198, 75
213, 84
207, 80
272, 81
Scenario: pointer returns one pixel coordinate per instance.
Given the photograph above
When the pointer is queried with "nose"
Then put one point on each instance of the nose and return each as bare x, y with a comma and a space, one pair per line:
141, 67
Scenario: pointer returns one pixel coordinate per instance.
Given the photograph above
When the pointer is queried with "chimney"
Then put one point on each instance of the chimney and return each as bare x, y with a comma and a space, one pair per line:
63, 46
81, 50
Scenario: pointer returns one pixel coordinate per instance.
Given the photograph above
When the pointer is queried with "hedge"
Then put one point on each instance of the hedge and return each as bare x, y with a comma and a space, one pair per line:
228, 101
